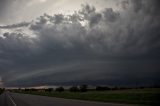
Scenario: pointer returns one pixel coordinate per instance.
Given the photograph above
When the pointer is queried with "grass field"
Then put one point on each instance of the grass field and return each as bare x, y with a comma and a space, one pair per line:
147, 96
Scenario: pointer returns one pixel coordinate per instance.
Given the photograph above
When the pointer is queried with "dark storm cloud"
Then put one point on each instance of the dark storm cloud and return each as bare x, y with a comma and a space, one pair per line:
22, 24
107, 47
89, 13
142, 5
58, 18
110, 15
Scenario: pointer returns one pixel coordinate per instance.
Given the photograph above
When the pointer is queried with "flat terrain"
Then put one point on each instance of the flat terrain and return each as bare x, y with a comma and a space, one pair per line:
147, 96
17, 99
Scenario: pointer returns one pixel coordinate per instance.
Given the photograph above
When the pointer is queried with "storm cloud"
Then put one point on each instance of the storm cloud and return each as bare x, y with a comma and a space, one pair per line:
22, 24
112, 47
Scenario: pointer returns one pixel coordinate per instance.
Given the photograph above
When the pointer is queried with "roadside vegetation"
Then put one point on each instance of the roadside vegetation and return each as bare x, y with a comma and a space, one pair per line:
144, 96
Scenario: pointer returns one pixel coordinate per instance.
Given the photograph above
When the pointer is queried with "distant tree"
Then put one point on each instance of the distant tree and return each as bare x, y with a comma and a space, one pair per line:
74, 89
123, 88
115, 88
33, 89
100, 88
26, 89
141, 87
59, 89
83, 88
49, 90
2, 90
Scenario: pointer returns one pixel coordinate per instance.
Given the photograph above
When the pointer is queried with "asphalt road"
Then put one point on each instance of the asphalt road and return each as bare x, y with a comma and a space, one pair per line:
16, 99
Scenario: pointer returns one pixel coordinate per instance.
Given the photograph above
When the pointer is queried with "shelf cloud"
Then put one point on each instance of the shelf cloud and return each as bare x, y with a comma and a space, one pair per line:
111, 47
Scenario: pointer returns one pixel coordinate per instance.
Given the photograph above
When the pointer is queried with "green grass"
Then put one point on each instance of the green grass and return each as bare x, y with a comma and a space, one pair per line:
146, 96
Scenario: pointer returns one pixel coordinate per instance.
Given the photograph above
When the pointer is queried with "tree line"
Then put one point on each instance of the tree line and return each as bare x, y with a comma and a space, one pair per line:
2, 90
81, 88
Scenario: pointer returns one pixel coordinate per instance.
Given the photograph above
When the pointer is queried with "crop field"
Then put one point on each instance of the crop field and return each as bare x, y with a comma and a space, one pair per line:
146, 96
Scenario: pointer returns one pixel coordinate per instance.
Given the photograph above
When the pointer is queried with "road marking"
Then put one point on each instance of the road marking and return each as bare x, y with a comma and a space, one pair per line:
12, 100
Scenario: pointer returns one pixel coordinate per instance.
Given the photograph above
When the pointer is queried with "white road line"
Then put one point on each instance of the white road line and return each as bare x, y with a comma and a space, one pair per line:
14, 104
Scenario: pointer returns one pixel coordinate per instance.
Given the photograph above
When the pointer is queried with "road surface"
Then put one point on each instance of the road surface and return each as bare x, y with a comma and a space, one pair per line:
17, 99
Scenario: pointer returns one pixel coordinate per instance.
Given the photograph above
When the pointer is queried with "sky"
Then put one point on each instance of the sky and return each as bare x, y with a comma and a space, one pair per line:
73, 42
